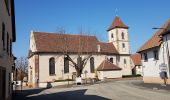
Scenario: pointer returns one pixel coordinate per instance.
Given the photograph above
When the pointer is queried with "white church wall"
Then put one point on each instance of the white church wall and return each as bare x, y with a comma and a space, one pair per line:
126, 68
44, 67
31, 70
118, 41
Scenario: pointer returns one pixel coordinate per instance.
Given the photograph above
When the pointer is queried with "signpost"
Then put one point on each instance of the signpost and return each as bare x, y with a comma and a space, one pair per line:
163, 67
163, 73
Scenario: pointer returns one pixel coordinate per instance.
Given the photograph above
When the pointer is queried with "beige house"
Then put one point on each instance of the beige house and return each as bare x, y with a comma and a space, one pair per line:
7, 36
48, 62
155, 56
136, 64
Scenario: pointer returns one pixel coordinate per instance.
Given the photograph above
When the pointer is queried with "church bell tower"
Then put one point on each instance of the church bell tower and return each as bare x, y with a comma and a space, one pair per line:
118, 35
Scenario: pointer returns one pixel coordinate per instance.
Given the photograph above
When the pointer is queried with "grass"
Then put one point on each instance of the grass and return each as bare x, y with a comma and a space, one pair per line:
128, 76
63, 80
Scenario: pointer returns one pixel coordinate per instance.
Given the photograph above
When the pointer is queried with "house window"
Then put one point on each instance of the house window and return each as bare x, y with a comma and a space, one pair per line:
111, 60
145, 56
79, 61
51, 66
10, 52
9, 85
3, 35
66, 65
7, 41
123, 36
3, 84
92, 65
155, 52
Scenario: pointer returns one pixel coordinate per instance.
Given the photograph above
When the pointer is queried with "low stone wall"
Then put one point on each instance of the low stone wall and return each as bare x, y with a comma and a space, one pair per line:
155, 80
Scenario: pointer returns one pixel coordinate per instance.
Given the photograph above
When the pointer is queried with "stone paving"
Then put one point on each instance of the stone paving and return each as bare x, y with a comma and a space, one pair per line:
112, 90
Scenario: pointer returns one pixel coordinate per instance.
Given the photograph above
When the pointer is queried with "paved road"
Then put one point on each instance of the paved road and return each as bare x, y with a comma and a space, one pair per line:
115, 90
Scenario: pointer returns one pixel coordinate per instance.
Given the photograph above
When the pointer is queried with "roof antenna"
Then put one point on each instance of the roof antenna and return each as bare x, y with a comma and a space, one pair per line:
116, 12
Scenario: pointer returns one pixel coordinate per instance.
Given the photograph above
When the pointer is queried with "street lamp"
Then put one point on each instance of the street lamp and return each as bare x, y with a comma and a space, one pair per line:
159, 28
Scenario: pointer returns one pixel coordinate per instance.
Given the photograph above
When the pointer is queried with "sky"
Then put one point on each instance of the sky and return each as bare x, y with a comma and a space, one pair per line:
92, 16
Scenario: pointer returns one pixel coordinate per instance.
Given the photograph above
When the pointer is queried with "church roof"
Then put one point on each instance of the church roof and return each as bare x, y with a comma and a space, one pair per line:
136, 58
107, 66
155, 40
62, 43
117, 23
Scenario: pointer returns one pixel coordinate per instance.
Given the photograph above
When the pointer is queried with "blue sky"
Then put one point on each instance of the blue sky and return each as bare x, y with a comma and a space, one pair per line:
94, 16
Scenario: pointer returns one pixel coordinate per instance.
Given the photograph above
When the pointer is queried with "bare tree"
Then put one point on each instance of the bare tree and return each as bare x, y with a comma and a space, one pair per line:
22, 67
82, 41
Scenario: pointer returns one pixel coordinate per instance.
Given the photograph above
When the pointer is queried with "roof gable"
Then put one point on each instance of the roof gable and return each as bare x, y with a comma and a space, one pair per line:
107, 66
136, 58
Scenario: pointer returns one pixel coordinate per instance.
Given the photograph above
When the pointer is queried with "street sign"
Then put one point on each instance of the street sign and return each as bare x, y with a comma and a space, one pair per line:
163, 67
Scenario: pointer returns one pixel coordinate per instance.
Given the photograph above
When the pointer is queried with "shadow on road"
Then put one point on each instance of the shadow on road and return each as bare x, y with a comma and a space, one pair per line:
67, 95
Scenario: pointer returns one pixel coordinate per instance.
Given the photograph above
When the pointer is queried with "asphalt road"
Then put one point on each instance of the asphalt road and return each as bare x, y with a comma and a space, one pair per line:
114, 90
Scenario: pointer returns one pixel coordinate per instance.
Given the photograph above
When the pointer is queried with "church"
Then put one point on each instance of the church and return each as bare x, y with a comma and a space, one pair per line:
47, 60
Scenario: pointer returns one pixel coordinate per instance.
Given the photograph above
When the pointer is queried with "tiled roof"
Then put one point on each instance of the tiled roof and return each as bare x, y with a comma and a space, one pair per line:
54, 42
136, 58
155, 40
107, 48
117, 23
107, 66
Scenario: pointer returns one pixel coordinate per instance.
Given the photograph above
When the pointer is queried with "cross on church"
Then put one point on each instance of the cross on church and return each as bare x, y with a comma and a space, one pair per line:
116, 12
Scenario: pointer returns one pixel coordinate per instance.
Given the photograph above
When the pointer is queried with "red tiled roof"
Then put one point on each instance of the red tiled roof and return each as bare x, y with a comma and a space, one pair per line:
107, 48
155, 40
54, 42
107, 66
117, 23
136, 58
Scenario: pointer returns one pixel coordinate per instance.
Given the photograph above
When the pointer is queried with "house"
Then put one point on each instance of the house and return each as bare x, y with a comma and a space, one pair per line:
155, 56
7, 36
49, 61
136, 64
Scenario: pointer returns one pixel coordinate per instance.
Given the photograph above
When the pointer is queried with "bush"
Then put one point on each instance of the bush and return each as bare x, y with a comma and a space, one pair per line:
63, 80
127, 76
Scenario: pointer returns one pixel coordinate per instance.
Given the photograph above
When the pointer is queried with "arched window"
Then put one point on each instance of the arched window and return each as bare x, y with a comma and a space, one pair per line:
111, 60
66, 65
123, 35
79, 61
51, 66
125, 63
112, 35
123, 45
92, 65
